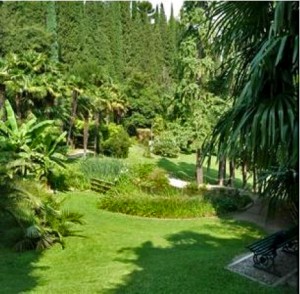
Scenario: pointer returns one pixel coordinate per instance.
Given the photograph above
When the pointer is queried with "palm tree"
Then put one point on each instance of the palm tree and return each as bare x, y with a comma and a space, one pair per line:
99, 103
263, 120
76, 86
84, 109
34, 81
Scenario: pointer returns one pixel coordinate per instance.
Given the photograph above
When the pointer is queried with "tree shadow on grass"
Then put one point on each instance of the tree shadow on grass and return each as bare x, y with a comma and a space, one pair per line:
181, 170
16, 268
192, 263
187, 172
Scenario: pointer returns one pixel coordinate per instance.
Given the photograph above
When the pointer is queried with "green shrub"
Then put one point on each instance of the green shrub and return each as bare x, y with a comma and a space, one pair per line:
76, 179
155, 182
141, 171
33, 218
58, 180
118, 143
150, 178
227, 200
68, 178
191, 189
165, 145
184, 135
142, 204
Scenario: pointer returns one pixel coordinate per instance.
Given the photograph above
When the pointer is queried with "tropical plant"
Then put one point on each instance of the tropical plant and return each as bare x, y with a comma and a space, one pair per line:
31, 148
37, 222
33, 83
263, 120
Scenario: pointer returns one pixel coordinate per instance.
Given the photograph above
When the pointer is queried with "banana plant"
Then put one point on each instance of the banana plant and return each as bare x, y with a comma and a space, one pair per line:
30, 147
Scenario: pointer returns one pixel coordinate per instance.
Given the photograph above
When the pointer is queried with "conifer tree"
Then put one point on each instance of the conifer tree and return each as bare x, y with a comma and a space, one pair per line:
172, 42
52, 28
70, 16
23, 27
113, 30
126, 25
96, 44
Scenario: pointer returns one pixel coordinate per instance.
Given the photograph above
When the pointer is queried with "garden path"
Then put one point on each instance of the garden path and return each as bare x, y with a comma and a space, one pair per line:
257, 214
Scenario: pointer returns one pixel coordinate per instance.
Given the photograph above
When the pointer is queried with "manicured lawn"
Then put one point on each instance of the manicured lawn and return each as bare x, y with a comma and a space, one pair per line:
124, 254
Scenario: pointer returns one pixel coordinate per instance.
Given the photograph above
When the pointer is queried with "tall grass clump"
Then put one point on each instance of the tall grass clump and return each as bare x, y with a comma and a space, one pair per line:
109, 169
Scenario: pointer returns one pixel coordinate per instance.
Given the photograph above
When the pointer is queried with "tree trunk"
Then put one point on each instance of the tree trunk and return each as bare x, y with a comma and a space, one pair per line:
73, 117
199, 168
222, 171
18, 106
97, 137
231, 173
254, 188
2, 100
244, 173
85, 134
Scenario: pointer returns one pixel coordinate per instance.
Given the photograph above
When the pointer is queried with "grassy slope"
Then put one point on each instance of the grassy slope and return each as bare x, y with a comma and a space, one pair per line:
182, 167
124, 254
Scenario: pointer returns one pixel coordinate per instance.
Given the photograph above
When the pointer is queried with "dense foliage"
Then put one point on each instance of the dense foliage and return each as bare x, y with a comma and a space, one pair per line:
90, 74
261, 57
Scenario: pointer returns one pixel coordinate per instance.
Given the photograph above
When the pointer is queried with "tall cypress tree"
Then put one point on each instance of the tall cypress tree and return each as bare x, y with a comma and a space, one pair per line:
52, 29
126, 25
69, 18
96, 44
163, 26
172, 42
23, 27
113, 29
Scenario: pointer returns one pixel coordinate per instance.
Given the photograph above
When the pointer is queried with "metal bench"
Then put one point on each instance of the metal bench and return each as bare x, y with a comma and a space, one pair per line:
265, 250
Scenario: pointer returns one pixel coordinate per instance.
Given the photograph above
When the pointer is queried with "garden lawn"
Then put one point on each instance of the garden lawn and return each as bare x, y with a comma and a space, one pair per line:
124, 254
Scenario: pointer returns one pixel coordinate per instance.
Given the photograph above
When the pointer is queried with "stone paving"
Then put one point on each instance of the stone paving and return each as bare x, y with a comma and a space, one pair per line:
284, 272
286, 264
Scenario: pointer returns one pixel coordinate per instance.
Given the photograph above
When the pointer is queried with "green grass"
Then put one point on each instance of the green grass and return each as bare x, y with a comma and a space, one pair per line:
182, 167
120, 254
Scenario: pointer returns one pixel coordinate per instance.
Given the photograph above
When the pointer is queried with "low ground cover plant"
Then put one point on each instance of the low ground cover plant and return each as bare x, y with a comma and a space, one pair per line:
129, 199
145, 191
